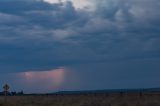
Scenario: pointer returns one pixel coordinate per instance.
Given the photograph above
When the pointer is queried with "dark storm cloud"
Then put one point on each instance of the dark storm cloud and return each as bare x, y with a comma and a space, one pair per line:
36, 35
21, 6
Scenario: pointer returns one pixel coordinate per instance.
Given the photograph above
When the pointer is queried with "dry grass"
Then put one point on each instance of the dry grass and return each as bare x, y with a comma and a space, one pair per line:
130, 99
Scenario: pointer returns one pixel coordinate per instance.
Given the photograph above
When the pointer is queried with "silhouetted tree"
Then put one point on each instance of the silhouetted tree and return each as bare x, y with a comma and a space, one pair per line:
6, 88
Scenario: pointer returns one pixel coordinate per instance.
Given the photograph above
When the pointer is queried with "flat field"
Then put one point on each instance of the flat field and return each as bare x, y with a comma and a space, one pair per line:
111, 99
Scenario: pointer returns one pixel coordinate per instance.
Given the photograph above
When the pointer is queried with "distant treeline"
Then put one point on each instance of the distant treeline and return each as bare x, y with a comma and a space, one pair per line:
12, 93
87, 92
110, 91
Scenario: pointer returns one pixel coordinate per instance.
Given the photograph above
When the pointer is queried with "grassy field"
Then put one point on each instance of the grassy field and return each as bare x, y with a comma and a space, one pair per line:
117, 99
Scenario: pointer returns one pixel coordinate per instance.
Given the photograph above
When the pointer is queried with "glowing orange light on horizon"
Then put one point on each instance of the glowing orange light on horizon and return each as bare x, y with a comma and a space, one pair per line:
54, 78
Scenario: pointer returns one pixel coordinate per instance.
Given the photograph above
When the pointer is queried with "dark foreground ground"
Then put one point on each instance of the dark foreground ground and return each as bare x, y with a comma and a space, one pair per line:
102, 99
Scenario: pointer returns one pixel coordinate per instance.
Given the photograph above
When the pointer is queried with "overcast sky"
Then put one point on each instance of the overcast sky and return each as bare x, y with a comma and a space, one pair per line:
51, 45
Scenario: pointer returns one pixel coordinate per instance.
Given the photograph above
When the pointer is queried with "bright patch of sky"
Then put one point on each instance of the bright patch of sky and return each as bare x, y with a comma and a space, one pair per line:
78, 4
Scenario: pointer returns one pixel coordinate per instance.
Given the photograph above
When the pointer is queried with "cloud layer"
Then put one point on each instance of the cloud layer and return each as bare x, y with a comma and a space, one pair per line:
39, 35
36, 34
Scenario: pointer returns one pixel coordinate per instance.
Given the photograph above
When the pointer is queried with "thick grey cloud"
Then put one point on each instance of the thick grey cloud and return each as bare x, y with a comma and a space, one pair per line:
36, 35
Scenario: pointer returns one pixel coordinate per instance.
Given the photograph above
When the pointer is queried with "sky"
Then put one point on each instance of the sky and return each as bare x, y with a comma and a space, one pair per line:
55, 45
